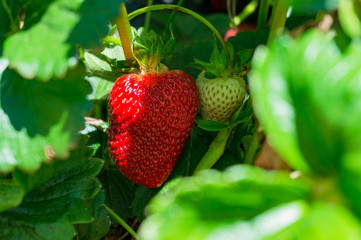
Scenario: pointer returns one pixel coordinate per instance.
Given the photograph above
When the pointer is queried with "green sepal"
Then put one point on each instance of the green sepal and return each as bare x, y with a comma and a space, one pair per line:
241, 61
150, 49
219, 65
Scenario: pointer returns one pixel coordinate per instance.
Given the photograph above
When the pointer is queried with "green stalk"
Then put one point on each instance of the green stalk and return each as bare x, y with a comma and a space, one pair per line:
125, 32
230, 14
147, 16
247, 10
189, 12
13, 27
215, 150
262, 14
121, 222
248, 159
278, 19
170, 20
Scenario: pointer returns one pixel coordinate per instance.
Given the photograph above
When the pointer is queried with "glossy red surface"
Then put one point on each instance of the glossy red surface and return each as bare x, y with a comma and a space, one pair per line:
151, 117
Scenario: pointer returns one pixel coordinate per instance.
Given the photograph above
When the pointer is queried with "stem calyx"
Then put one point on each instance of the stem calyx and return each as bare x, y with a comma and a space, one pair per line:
219, 66
150, 49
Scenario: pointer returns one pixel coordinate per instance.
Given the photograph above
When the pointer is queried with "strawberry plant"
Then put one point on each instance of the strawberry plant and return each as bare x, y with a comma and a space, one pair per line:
132, 120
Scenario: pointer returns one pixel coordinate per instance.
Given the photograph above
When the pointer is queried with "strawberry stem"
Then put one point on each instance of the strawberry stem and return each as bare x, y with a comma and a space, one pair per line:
278, 19
248, 159
147, 16
13, 25
189, 12
125, 32
262, 14
246, 12
215, 150
121, 222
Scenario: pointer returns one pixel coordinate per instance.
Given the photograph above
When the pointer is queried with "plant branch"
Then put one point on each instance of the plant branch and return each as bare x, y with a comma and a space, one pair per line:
215, 150
125, 32
262, 14
278, 19
121, 221
189, 12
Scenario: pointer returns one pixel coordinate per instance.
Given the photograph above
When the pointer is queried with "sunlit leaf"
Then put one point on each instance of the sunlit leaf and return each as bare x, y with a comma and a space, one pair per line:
40, 119
212, 202
349, 13
101, 88
47, 49
302, 91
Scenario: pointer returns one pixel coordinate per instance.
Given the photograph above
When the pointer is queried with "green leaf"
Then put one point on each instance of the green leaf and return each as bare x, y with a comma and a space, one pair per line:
110, 64
98, 228
350, 177
243, 114
40, 119
249, 39
187, 29
301, 91
226, 160
119, 191
96, 66
242, 60
268, 224
240, 140
349, 13
142, 197
11, 194
29, 181
114, 52
211, 125
313, 6
47, 49
212, 202
101, 88
323, 221
48, 211
199, 50
59, 230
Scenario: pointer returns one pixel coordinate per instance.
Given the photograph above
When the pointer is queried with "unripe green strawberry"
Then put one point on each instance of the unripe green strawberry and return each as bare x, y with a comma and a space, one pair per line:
223, 93
219, 98
151, 116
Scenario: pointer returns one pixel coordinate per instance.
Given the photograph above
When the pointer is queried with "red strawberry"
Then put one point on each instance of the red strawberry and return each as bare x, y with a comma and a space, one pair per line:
151, 117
